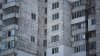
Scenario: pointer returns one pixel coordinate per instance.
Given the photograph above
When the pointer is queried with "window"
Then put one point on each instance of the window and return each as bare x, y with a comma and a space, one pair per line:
45, 32
33, 16
7, 45
5, 1
78, 14
82, 48
93, 22
4, 46
45, 21
55, 27
92, 34
8, 33
55, 38
55, 16
78, 26
82, 2
0, 6
55, 50
45, 11
55, 5
92, 45
4, 34
46, 1
45, 43
13, 32
15, 54
79, 48
37, 53
1, 16
78, 37
32, 38
44, 53
78, 3
11, 44
13, 9
10, 21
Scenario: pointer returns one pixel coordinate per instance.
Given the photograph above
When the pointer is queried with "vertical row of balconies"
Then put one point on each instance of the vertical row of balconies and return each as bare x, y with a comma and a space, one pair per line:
79, 28
9, 25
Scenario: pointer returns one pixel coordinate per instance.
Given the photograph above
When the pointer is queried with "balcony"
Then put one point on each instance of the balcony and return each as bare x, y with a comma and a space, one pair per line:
10, 27
10, 23
10, 4
11, 15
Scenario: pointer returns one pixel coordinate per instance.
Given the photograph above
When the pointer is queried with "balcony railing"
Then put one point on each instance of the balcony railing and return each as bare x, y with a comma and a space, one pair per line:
11, 15
10, 4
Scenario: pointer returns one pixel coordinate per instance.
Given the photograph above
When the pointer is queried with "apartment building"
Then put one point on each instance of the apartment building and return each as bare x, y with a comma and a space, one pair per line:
83, 10
49, 28
58, 28
19, 22
71, 28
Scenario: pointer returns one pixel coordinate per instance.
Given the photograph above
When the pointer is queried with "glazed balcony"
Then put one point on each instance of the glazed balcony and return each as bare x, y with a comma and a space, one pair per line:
12, 15
10, 12
8, 4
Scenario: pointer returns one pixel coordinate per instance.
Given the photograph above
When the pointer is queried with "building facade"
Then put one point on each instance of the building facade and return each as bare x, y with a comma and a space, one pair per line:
19, 27
58, 40
49, 28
